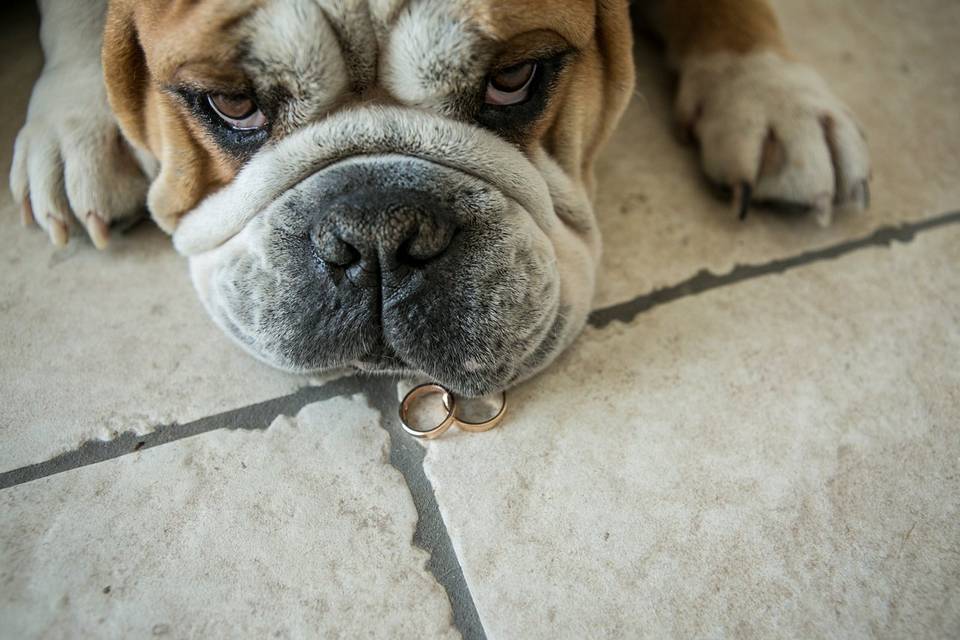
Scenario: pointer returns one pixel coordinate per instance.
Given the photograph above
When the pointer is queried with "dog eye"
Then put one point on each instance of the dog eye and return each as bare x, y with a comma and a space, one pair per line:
240, 111
511, 85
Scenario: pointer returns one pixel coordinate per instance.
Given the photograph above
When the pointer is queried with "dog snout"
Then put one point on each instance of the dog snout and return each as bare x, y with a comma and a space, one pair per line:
369, 231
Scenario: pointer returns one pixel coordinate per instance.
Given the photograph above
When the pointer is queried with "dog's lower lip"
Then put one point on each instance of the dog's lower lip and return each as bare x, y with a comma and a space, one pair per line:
379, 366
383, 359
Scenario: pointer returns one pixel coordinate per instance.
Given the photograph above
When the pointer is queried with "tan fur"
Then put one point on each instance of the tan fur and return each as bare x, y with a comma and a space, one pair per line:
147, 45
692, 27
596, 91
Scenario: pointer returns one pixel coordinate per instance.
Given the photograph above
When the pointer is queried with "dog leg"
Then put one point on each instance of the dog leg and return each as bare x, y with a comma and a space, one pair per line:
769, 128
72, 167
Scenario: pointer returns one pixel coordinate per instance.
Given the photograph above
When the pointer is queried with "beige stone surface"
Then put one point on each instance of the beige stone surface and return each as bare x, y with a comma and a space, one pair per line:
303, 530
776, 458
894, 63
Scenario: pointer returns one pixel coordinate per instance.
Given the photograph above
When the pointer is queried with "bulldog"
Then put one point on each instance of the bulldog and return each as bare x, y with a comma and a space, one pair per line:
402, 185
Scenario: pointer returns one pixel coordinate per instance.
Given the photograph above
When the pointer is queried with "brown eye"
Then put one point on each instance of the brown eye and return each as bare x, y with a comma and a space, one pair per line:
239, 111
511, 85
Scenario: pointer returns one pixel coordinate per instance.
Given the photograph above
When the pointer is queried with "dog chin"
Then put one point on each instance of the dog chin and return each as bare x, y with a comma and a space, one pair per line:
467, 383
467, 379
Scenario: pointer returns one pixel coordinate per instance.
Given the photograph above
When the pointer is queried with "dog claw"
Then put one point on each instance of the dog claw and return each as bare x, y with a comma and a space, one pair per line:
823, 211
57, 231
860, 197
98, 230
742, 197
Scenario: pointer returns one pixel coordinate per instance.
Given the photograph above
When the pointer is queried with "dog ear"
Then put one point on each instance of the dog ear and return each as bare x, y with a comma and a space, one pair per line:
594, 104
125, 72
615, 44
150, 118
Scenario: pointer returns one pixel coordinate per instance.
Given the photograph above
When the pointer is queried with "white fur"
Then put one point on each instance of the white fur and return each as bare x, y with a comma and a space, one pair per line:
432, 56
70, 158
295, 46
733, 102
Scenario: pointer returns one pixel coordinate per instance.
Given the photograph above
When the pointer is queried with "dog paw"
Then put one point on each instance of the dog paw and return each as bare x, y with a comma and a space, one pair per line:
72, 168
772, 131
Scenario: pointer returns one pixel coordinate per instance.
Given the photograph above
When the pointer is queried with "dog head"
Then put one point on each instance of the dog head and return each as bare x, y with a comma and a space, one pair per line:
392, 185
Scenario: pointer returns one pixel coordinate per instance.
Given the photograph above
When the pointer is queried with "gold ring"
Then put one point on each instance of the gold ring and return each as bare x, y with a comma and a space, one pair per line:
449, 401
477, 427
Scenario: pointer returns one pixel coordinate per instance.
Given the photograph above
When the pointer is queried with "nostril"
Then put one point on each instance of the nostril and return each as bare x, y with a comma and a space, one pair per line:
424, 246
335, 251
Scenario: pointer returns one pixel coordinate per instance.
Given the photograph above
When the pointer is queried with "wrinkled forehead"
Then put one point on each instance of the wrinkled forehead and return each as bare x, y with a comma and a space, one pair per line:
361, 35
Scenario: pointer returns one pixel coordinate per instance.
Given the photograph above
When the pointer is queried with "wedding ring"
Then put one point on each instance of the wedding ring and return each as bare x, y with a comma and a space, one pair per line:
477, 427
449, 402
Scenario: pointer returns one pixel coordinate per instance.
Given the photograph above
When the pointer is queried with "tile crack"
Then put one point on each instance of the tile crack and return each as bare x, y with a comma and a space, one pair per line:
705, 280
431, 535
252, 417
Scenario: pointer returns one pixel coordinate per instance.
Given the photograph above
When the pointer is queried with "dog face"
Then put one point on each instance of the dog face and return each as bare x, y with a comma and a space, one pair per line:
388, 185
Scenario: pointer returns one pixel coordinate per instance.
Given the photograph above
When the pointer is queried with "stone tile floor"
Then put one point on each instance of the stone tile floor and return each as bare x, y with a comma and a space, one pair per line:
757, 436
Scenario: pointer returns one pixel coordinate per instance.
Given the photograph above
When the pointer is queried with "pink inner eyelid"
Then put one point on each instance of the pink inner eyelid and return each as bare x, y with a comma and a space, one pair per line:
258, 121
504, 98
246, 123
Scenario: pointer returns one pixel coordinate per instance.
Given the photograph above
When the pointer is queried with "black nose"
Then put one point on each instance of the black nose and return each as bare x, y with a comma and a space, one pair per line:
368, 231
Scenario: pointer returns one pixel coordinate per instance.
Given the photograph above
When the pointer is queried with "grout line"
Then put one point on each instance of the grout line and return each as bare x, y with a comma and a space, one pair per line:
431, 535
705, 280
254, 416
